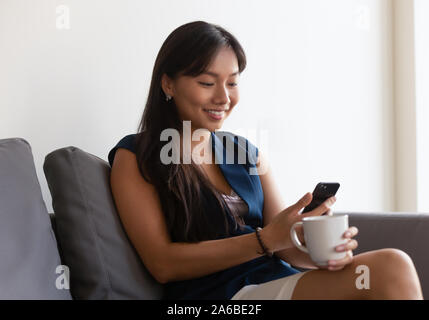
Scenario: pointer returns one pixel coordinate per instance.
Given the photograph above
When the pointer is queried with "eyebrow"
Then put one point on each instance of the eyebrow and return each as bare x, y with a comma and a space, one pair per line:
216, 75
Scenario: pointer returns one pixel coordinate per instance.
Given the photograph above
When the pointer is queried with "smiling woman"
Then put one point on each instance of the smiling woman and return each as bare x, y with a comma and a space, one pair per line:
198, 66
209, 231
207, 99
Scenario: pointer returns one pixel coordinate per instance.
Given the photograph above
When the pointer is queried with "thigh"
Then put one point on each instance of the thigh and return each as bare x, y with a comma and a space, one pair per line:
323, 284
279, 289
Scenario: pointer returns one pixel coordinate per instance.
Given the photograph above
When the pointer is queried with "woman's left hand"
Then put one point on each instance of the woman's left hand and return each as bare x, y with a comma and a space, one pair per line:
351, 244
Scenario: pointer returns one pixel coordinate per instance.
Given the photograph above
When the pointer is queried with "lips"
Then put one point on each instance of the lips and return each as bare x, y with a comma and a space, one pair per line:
215, 115
217, 110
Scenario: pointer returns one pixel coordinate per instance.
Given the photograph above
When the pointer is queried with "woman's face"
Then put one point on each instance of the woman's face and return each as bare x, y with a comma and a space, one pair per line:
215, 90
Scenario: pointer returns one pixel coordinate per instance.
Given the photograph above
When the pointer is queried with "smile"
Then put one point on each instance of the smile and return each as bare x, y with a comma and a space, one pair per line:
216, 112
215, 115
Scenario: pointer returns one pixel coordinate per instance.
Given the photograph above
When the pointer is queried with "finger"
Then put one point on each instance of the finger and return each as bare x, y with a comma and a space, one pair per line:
303, 202
351, 232
300, 233
324, 207
341, 262
336, 268
330, 213
323, 267
350, 245
340, 266
331, 268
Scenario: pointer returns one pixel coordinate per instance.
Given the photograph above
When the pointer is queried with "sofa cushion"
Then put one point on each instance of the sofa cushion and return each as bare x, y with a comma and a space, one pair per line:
28, 249
103, 262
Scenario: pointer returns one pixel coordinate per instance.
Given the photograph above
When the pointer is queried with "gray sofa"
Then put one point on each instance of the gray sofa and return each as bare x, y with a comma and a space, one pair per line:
82, 251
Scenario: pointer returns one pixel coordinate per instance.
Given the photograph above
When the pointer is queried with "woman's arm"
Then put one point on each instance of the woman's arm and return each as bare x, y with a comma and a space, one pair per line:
273, 205
140, 211
194, 260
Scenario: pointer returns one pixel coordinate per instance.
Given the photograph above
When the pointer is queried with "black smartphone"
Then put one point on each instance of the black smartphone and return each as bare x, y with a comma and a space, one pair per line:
322, 192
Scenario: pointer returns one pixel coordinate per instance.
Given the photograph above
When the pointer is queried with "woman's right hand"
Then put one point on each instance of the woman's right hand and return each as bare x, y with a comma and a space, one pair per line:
276, 234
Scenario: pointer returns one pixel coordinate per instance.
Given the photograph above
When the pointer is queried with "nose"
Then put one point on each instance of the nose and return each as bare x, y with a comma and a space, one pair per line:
222, 96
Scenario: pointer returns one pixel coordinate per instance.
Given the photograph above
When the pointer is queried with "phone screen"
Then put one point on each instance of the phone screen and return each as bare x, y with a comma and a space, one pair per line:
322, 192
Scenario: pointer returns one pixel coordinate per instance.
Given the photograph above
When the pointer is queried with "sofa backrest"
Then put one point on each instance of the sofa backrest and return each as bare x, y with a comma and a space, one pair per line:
30, 265
406, 231
102, 260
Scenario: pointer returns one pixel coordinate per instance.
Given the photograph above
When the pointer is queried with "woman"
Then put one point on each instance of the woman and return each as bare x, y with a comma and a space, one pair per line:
196, 225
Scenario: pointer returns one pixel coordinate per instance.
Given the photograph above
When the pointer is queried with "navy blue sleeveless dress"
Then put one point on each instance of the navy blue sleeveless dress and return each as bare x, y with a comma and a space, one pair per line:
239, 173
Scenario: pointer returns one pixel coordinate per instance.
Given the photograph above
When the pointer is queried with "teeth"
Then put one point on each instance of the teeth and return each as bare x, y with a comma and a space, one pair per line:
219, 113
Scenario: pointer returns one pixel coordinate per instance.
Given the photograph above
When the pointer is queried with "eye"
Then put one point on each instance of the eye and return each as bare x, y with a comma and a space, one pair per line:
211, 84
206, 84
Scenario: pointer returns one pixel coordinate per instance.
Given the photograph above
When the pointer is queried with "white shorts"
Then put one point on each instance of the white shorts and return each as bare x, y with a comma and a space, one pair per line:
280, 289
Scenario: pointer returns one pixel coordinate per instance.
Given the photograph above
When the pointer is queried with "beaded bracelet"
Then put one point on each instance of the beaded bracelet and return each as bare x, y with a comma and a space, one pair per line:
264, 248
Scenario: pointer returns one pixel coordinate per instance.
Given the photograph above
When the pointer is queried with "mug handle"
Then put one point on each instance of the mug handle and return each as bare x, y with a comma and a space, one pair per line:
295, 239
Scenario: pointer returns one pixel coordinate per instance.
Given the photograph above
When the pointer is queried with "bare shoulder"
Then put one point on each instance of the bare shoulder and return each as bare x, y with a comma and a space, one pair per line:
262, 164
140, 211
273, 202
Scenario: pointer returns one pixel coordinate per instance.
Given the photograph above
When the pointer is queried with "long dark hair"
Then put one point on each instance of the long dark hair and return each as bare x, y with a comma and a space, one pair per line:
182, 188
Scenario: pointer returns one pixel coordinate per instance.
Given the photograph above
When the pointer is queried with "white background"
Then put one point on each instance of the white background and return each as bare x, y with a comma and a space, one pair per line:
319, 83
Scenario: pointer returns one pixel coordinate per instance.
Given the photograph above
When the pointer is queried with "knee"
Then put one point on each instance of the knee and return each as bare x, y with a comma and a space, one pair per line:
395, 260
391, 265
397, 270
391, 262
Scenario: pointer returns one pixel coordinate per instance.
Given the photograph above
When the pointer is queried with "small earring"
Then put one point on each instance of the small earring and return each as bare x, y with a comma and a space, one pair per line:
168, 97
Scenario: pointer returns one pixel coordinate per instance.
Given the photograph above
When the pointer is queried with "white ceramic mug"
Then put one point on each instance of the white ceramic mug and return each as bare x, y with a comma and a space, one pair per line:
322, 234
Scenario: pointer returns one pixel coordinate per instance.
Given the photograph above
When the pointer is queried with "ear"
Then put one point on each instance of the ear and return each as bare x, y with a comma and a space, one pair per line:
167, 85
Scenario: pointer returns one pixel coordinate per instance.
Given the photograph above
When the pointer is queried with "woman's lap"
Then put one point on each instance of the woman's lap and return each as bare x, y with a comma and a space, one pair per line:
280, 289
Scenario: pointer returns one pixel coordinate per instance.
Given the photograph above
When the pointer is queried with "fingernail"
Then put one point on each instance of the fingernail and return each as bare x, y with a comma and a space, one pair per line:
341, 247
332, 263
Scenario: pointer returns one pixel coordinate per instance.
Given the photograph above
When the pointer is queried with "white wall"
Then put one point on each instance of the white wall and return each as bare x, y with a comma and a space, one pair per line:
422, 102
318, 83
411, 101
404, 105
